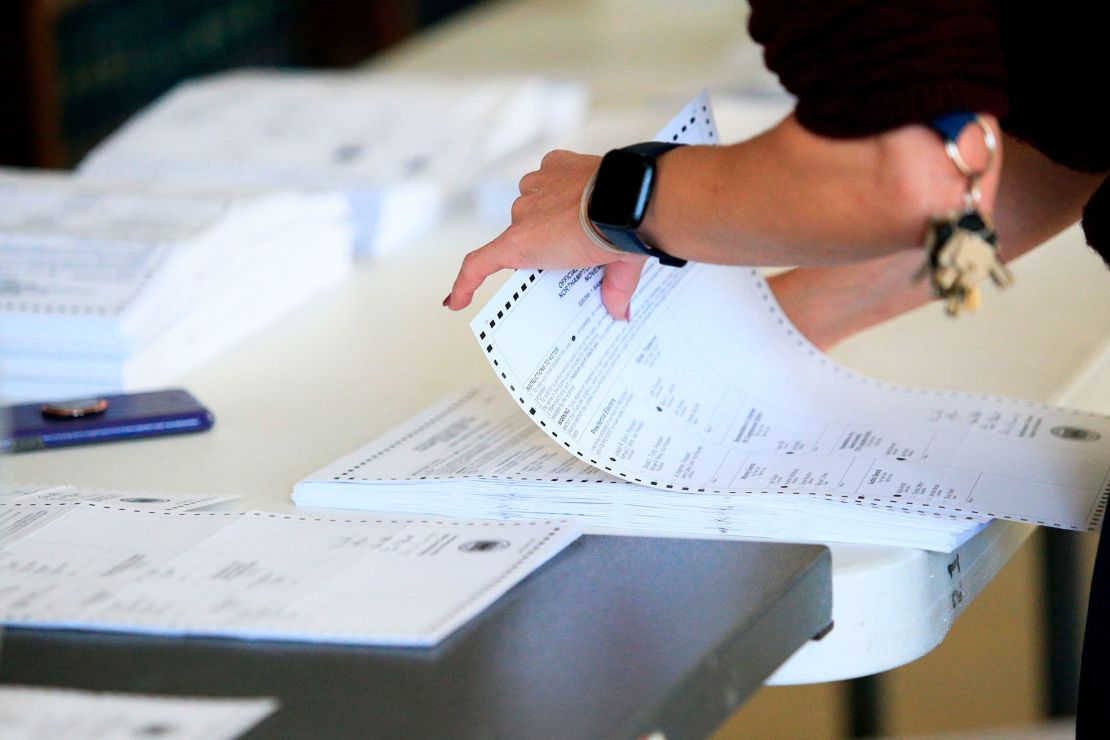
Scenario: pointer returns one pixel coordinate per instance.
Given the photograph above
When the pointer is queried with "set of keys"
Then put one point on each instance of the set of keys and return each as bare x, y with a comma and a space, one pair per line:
961, 247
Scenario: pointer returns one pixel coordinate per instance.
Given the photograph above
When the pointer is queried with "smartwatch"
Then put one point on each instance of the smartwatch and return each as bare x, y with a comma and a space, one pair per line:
617, 202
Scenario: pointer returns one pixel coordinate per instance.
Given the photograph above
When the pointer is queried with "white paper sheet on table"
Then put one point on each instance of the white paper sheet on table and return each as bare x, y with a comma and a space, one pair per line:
710, 389
25, 508
34, 713
359, 579
68, 494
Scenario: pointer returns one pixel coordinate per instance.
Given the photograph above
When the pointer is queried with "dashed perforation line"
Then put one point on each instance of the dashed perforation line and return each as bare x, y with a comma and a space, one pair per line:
434, 419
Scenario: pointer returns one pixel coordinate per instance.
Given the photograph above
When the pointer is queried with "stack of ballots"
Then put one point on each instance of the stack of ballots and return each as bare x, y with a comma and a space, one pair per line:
400, 146
476, 455
108, 287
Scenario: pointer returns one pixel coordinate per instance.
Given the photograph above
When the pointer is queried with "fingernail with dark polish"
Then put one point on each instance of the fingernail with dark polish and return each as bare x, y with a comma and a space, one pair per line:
447, 299
628, 313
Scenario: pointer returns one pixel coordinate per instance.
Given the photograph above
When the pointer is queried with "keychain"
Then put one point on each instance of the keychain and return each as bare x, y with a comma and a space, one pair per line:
961, 247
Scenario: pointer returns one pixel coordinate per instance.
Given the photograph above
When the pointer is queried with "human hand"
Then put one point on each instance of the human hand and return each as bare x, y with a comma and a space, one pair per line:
546, 233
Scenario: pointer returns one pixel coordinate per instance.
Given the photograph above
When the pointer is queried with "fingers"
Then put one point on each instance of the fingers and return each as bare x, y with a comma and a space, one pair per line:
476, 267
554, 156
529, 183
545, 231
618, 285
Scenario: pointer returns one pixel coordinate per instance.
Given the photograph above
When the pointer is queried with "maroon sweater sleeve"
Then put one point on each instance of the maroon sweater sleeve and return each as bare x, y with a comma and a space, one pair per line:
858, 67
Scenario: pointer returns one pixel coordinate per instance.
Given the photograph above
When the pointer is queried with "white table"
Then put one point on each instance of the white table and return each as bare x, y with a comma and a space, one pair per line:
377, 349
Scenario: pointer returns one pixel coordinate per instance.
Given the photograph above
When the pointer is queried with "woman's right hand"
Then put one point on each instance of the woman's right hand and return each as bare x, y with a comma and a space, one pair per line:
546, 233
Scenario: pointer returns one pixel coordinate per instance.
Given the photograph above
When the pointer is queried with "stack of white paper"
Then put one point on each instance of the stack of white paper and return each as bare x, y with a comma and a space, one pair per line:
108, 287
398, 145
477, 455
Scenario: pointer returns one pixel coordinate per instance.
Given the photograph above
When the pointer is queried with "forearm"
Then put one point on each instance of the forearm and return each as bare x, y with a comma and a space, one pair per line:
1036, 199
790, 197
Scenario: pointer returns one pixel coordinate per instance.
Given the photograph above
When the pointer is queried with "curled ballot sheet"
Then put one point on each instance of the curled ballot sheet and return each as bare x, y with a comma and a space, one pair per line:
709, 389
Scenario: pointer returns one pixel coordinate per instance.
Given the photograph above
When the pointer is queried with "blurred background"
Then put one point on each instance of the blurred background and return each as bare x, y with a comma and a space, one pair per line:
72, 71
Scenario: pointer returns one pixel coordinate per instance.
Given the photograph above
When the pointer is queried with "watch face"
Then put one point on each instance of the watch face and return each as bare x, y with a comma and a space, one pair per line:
621, 190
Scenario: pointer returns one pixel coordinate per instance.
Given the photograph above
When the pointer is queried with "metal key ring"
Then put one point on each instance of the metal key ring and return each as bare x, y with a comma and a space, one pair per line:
952, 149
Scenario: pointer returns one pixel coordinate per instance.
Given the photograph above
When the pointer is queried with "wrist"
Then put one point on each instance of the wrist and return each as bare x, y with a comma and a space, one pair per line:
618, 198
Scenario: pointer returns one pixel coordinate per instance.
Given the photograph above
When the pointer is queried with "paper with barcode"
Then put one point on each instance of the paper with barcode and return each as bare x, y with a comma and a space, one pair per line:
342, 579
710, 389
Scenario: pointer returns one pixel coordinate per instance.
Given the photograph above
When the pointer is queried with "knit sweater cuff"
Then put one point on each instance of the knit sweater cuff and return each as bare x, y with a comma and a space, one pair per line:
860, 67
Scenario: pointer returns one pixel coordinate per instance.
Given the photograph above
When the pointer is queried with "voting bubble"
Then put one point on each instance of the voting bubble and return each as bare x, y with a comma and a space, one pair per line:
1085, 435
483, 546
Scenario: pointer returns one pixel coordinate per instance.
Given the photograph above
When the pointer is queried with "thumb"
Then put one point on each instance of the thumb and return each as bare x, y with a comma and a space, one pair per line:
618, 285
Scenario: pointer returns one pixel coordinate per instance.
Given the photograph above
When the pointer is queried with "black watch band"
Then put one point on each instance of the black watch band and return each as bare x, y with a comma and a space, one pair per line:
621, 194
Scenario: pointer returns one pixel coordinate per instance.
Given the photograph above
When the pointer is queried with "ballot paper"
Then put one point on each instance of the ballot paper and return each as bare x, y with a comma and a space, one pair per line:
116, 287
719, 410
399, 145
34, 713
258, 575
476, 454
67, 494
25, 508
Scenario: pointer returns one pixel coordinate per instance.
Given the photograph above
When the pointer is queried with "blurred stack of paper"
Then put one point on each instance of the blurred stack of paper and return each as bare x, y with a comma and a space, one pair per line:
477, 455
400, 146
109, 287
